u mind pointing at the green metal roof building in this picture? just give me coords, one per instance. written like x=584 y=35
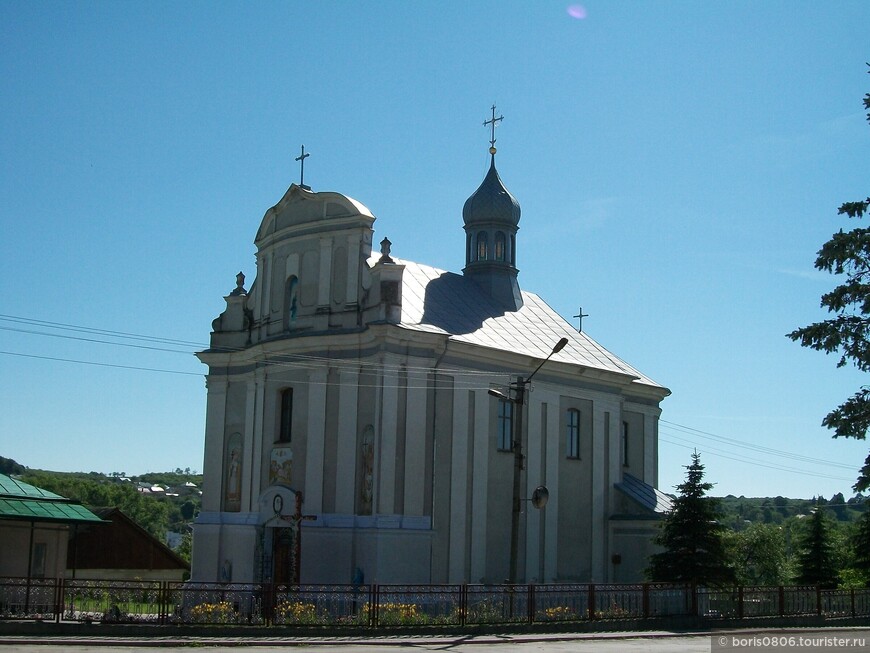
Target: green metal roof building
x=34 y=529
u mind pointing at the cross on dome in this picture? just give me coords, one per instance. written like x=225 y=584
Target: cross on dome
x=494 y=123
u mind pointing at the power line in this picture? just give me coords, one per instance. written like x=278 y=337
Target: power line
x=81 y=362
x=465 y=379
x=751 y=446
x=749 y=461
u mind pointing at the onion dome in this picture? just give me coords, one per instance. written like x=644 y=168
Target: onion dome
x=491 y=202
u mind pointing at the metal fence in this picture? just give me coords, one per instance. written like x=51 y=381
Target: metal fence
x=371 y=606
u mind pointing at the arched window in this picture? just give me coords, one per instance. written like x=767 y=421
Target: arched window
x=572 y=433
x=625 y=443
x=286 y=420
x=482 y=246
x=499 y=246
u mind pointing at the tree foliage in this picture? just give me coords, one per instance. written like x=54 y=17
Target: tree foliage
x=150 y=514
x=758 y=554
x=861 y=547
x=692 y=536
x=847 y=253
x=816 y=559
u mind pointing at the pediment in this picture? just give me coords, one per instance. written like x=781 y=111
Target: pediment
x=302 y=207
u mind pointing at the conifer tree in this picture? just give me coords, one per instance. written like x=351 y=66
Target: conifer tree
x=861 y=546
x=815 y=559
x=692 y=536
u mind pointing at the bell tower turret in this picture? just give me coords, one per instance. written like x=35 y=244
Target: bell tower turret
x=491 y=216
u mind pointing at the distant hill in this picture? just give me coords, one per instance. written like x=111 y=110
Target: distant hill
x=10 y=467
x=740 y=511
x=159 y=502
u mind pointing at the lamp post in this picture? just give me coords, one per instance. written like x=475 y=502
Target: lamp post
x=518 y=400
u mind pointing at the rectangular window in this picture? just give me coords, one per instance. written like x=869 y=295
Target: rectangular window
x=572 y=433
x=284 y=430
x=37 y=562
x=505 y=425
x=625 y=443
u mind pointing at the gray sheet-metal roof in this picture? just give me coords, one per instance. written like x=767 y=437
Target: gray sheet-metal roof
x=646 y=495
x=445 y=302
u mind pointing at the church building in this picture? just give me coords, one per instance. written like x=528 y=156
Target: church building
x=370 y=417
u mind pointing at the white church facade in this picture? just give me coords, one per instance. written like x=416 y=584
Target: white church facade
x=351 y=434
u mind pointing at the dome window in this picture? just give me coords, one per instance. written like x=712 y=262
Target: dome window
x=482 y=246
x=499 y=246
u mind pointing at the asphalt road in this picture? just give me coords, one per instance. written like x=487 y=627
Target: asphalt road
x=659 y=642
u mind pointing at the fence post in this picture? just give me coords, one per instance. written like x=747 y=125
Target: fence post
x=781 y=601
x=645 y=601
x=591 y=601
x=694 y=591
x=852 y=592
x=819 y=600
x=740 y=601
x=162 y=603
x=58 y=599
x=376 y=604
x=463 y=604
x=531 y=593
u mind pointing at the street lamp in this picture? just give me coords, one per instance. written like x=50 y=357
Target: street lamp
x=519 y=399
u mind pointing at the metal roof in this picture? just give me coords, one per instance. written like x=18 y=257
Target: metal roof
x=445 y=302
x=491 y=202
x=646 y=495
x=22 y=501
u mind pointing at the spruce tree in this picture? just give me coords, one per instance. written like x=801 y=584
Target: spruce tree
x=861 y=546
x=692 y=536
x=815 y=560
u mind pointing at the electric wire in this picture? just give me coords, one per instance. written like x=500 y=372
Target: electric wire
x=749 y=445
x=463 y=379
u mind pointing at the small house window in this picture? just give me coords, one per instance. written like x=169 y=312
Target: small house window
x=572 y=433
x=37 y=562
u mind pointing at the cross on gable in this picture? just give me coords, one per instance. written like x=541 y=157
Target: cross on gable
x=301 y=158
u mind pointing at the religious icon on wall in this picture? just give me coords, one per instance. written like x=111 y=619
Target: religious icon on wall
x=367 y=458
x=280 y=466
x=233 y=487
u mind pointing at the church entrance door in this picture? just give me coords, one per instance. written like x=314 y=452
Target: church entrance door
x=285 y=570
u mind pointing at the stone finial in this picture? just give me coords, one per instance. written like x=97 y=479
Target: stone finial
x=240 y=285
x=385 y=251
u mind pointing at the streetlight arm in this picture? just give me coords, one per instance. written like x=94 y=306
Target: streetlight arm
x=556 y=349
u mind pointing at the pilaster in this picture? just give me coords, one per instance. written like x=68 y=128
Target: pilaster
x=388 y=432
x=459 y=481
x=415 y=444
x=347 y=441
x=316 y=437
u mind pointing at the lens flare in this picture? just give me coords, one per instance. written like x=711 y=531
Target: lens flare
x=577 y=11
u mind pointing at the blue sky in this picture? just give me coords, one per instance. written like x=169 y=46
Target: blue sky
x=678 y=165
